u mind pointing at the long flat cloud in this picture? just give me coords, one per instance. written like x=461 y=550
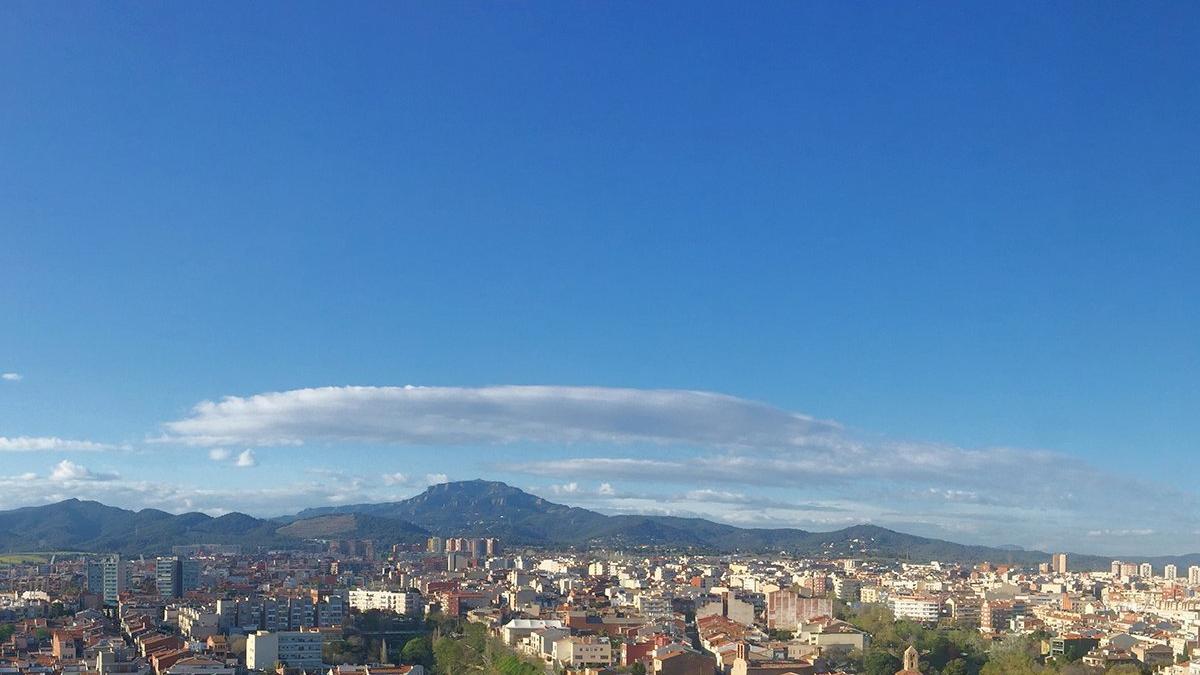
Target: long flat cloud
x=49 y=444
x=484 y=415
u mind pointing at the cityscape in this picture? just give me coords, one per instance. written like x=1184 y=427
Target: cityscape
x=348 y=596
x=599 y=337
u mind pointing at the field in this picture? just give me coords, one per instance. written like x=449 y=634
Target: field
x=32 y=558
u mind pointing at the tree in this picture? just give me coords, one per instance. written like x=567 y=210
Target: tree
x=418 y=651
x=1078 y=669
x=955 y=667
x=1009 y=663
x=449 y=656
x=881 y=663
x=638 y=668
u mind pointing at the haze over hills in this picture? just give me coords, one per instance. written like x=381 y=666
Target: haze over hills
x=475 y=508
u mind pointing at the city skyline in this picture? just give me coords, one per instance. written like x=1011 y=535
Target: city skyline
x=809 y=266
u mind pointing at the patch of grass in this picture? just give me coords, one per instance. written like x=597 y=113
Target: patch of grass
x=22 y=558
x=35 y=557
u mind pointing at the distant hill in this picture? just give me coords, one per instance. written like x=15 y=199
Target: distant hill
x=489 y=508
x=484 y=509
x=91 y=526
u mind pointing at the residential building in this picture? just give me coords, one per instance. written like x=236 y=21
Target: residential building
x=583 y=652
x=786 y=609
x=847 y=590
x=409 y=603
x=994 y=616
x=923 y=609
x=730 y=607
x=684 y=663
x=653 y=606
x=518 y=629
x=174 y=576
x=293 y=649
x=826 y=632
x=108 y=577
x=197 y=624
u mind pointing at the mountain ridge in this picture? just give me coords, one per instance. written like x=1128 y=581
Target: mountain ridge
x=479 y=508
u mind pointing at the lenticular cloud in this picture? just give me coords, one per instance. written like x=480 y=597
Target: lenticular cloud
x=503 y=414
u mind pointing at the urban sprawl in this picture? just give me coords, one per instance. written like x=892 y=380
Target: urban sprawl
x=458 y=605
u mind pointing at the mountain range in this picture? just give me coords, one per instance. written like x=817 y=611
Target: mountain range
x=476 y=508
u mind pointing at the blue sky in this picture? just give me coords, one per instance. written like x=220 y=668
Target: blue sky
x=965 y=236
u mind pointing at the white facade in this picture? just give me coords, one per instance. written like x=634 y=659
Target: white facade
x=583 y=652
x=293 y=649
x=926 y=610
x=401 y=602
x=518 y=629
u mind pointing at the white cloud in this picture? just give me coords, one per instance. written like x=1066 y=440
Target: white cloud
x=436 y=478
x=11 y=377
x=67 y=471
x=505 y=414
x=565 y=489
x=219 y=454
x=395 y=478
x=606 y=489
x=246 y=459
x=50 y=443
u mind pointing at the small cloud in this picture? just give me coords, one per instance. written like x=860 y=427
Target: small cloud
x=218 y=454
x=565 y=489
x=436 y=478
x=11 y=377
x=246 y=459
x=607 y=490
x=67 y=471
x=396 y=478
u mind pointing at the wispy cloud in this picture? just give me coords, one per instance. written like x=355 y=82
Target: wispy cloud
x=51 y=444
x=246 y=459
x=11 y=377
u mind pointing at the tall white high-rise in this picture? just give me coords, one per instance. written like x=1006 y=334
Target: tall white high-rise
x=1170 y=572
x=107 y=577
x=1194 y=574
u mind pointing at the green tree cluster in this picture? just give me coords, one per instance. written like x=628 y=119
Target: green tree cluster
x=467 y=648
